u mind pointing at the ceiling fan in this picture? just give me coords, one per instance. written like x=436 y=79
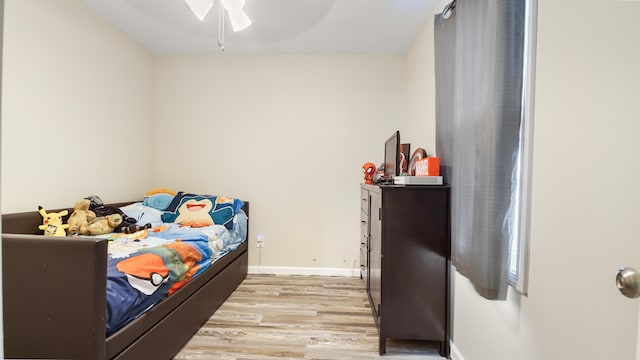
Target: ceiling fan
x=237 y=16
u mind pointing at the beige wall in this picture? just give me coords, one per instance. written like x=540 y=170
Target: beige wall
x=585 y=113
x=289 y=133
x=1 y=287
x=419 y=126
x=76 y=108
x=86 y=110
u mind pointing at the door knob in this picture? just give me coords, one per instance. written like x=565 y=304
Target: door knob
x=628 y=282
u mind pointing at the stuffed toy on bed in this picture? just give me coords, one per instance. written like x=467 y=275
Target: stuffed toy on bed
x=126 y=223
x=52 y=222
x=104 y=224
x=80 y=217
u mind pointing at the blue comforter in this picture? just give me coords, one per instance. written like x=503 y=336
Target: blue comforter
x=162 y=263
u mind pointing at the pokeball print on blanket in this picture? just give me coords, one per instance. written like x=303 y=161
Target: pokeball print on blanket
x=145 y=272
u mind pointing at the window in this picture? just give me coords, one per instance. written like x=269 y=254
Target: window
x=483 y=121
x=519 y=256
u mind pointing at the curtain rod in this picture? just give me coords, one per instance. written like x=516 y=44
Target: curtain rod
x=448 y=9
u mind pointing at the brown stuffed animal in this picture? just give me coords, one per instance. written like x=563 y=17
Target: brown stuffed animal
x=80 y=218
x=104 y=224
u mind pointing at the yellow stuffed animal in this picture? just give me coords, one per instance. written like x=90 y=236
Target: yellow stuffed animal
x=52 y=222
x=80 y=218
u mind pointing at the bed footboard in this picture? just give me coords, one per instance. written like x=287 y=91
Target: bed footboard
x=170 y=334
x=54 y=296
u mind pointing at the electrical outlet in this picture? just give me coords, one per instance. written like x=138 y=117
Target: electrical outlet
x=259 y=241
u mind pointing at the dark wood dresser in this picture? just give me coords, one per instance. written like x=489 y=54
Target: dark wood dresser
x=405 y=261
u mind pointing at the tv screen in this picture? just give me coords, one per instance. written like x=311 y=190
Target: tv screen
x=391 y=151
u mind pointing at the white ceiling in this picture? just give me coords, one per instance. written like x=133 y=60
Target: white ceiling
x=279 y=26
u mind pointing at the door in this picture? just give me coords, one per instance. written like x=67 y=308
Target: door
x=586 y=181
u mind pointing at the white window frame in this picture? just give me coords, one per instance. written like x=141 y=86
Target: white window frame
x=519 y=266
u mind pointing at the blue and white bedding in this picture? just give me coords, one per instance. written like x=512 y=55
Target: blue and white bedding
x=149 y=265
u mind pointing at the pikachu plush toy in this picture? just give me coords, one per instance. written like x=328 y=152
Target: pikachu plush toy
x=52 y=222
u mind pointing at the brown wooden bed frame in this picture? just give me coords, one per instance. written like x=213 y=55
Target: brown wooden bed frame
x=54 y=298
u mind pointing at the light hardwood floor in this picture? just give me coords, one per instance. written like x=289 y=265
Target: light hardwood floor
x=296 y=317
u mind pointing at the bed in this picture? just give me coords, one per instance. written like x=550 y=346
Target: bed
x=55 y=297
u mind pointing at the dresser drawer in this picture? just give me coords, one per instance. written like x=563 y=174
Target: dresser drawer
x=364 y=200
x=363 y=264
x=364 y=228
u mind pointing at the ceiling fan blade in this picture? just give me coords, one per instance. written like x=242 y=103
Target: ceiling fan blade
x=237 y=16
x=200 y=8
x=239 y=19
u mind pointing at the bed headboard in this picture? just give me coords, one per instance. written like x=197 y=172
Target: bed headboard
x=28 y=222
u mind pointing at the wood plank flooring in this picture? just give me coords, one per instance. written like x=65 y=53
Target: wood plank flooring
x=296 y=317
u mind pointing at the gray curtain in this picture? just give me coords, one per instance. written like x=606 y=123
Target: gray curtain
x=479 y=72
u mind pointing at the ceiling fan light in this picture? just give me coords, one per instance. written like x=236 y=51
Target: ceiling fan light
x=200 y=8
x=239 y=19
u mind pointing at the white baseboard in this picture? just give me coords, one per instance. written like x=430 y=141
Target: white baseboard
x=284 y=270
x=455 y=352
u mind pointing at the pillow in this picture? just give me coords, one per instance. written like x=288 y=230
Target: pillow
x=143 y=214
x=202 y=210
x=159 y=198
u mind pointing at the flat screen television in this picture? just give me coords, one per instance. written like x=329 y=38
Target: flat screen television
x=391 y=158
